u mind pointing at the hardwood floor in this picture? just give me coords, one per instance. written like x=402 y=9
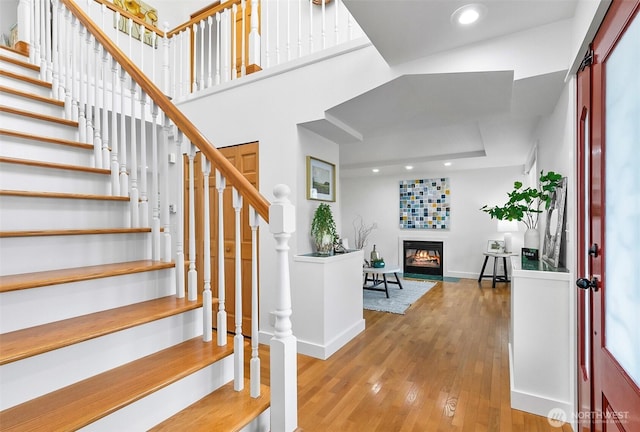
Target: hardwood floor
x=443 y=366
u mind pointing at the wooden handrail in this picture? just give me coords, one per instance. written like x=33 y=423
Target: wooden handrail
x=126 y=14
x=196 y=19
x=226 y=168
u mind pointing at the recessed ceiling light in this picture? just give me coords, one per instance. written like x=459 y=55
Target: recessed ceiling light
x=409 y=167
x=468 y=14
x=447 y=164
x=375 y=170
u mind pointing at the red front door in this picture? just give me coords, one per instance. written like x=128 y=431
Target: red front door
x=609 y=239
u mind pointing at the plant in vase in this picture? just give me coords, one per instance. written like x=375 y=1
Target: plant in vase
x=526 y=204
x=323 y=229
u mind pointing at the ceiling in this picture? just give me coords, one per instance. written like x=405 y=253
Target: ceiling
x=475 y=119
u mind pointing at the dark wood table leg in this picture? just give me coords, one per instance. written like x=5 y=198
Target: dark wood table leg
x=398 y=280
x=506 y=274
x=495 y=267
x=386 y=288
x=483 y=267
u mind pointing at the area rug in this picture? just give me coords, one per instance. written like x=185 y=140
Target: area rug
x=399 y=299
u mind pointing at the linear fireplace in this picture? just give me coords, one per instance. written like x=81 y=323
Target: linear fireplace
x=423 y=257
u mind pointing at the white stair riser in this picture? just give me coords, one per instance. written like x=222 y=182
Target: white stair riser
x=262 y=423
x=25 y=124
x=25 y=86
x=14 y=55
x=33 y=178
x=32 y=377
x=21 y=148
x=32 y=254
x=25 y=213
x=145 y=413
x=28 y=104
x=58 y=302
x=21 y=70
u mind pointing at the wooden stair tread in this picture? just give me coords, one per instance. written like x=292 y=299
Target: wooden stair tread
x=54 y=165
x=15 y=51
x=80 y=404
x=24 y=78
x=32 y=96
x=49 y=140
x=20 y=63
x=63 y=195
x=99 y=231
x=37 y=116
x=223 y=410
x=21 y=344
x=54 y=277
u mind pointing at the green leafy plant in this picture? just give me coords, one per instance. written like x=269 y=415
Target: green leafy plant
x=323 y=228
x=525 y=204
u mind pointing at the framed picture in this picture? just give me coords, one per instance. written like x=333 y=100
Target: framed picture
x=495 y=246
x=141 y=10
x=321 y=180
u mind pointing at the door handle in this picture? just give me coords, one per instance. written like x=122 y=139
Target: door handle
x=585 y=283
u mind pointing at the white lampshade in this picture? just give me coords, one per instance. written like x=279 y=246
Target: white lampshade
x=507 y=227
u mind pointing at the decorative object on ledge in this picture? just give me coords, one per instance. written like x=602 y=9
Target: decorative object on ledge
x=525 y=205
x=425 y=204
x=321 y=180
x=553 y=246
x=362 y=232
x=323 y=229
x=319 y=2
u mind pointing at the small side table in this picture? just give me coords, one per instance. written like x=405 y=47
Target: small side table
x=375 y=281
x=495 y=277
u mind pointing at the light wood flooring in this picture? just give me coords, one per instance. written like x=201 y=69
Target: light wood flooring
x=443 y=366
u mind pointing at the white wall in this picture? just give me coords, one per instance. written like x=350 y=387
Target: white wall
x=8 y=15
x=376 y=199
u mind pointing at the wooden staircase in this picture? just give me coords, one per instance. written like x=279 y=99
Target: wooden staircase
x=92 y=332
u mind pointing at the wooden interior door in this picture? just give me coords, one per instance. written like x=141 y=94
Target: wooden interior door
x=614 y=221
x=245 y=158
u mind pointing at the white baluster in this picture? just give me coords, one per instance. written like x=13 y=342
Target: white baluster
x=218 y=47
x=225 y=45
x=222 y=313
x=194 y=67
x=254 y=35
x=350 y=26
x=201 y=82
x=192 y=275
x=234 y=45
x=277 y=33
x=40 y=37
x=124 y=176
x=243 y=66
x=155 y=188
x=30 y=7
x=166 y=62
x=181 y=65
x=163 y=196
x=283 y=350
x=324 y=21
x=47 y=40
x=288 y=30
x=74 y=35
x=144 y=200
x=311 y=26
x=165 y=80
x=97 y=124
x=67 y=50
x=336 y=25
x=238 y=339
x=82 y=120
x=266 y=31
x=254 y=364
x=174 y=43
x=142 y=29
x=55 y=66
x=207 y=303
x=106 y=162
x=210 y=52
x=88 y=107
x=133 y=175
x=300 y=3
x=115 y=164
x=180 y=218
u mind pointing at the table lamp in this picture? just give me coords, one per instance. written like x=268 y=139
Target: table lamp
x=507 y=227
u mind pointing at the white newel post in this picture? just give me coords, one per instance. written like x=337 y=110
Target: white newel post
x=238 y=339
x=254 y=364
x=24 y=24
x=222 y=313
x=163 y=195
x=180 y=218
x=207 y=303
x=283 y=361
x=254 y=36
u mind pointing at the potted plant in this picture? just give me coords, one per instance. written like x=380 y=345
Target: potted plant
x=526 y=204
x=323 y=229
